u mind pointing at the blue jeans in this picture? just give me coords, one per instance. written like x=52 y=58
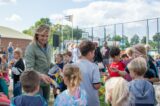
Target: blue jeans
x=17 y=89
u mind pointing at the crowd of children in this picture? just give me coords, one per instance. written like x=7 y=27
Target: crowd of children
x=75 y=82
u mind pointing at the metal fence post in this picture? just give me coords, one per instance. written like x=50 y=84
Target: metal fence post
x=92 y=34
x=104 y=34
x=147 y=28
x=158 y=35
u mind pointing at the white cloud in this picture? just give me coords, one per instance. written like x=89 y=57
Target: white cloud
x=14 y=18
x=7 y=1
x=107 y=12
x=56 y=17
x=80 y=0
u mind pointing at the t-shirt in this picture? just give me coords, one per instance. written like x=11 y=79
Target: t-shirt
x=119 y=65
x=65 y=99
x=105 y=52
x=90 y=75
x=25 y=100
x=10 y=50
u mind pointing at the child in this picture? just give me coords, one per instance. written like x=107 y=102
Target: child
x=17 y=68
x=57 y=76
x=59 y=61
x=117 y=92
x=4 y=100
x=90 y=72
x=4 y=76
x=5 y=70
x=30 y=81
x=117 y=65
x=67 y=57
x=129 y=52
x=141 y=89
x=125 y=59
x=157 y=92
x=74 y=95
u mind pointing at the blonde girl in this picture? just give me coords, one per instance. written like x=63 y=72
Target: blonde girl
x=74 y=95
x=117 y=92
x=17 y=68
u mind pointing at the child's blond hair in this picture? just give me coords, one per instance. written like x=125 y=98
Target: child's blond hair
x=18 y=51
x=117 y=91
x=129 y=52
x=139 y=50
x=157 y=92
x=138 y=66
x=73 y=75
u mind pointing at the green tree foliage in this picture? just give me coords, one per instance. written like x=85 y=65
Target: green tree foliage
x=30 y=31
x=43 y=21
x=153 y=44
x=125 y=38
x=77 y=33
x=143 y=40
x=156 y=37
x=117 y=38
x=135 y=39
x=56 y=29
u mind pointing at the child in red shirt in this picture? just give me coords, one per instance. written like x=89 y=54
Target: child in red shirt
x=117 y=65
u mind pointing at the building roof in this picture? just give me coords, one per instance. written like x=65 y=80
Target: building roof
x=11 y=33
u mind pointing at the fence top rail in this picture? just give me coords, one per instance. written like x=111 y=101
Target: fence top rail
x=121 y=23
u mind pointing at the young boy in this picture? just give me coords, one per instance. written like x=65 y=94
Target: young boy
x=30 y=81
x=141 y=89
x=117 y=66
x=90 y=72
x=67 y=57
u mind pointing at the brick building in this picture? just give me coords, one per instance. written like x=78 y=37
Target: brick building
x=10 y=35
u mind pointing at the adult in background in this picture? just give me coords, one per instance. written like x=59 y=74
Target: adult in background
x=105 y=54
x=10 y=50
x=75 y=53
x=38 y=57
x=98 y=56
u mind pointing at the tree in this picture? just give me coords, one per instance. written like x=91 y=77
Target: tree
x=43 y=21
x=30 y=30
x=135 y=39
x=77 y=33
x=116 y=38
x=125 y=38
x=153 y=44
x=143 y=40
x=55 y=29
x=156 y=37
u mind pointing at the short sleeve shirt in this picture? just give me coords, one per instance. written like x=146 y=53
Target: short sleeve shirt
x=119 y=65
x=90 y=75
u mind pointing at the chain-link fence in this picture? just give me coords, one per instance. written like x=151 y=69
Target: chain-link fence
x=126 y=34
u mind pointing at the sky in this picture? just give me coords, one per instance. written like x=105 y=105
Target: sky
x=21 y=14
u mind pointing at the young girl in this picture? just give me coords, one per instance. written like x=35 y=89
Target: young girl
x=157 y=92
x=117 y=92
x=74 y=95
x=4 y=69
x=17 y=68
